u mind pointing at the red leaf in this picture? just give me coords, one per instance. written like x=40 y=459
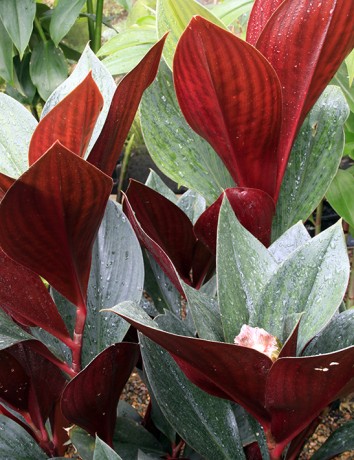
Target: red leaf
x=261 y=12
x=253 y=208
x=24 y=297
x=126 y=99
x=5 y=184
x=14 y=382
x=305 y=42
x=71 y=121
x=50 y=217
x=90 y=399
x=231 y=96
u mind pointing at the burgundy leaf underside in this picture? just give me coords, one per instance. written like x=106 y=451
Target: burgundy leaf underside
x=90 y=399
x=24 y=296
x=305 y=42
x=5 y=184
x=50 y=217
x=71 y=121
x=126 y=99
x=254 y=209
x=231 y=96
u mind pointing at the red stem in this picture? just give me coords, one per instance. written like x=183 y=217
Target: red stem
x=81 y=313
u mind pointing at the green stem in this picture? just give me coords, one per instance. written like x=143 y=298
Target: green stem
x=350 y=292
x=90 y=23
x=98 y=28
x=319 y=212
x=125 y=161
x=40 y=29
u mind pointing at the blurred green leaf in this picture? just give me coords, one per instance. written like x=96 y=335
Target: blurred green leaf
x=350 y=66
x=6 y=63
x=340 y=195
x=63 y=18
x=229 y=10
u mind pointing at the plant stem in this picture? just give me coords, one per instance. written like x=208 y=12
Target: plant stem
x=90 y=23
x=98 y=28
x=40 y=29
x=125 y=162
x=319 y=212
x=81 y=313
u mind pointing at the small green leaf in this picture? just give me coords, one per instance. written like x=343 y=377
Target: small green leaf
x=341 y=440
x=17 y=17
x=173 y=17
x=313 y=162
x=176 y=149
x=16 y=128
x=230 y=10
x=48 y=68
x=341 y=195
x=6 y=63
x=243 y=267
x=16 y=443
x=63 y=18
x=104 y=452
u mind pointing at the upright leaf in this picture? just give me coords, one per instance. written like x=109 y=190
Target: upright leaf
x=341 y=195
x=63 y=18
x=6 y=62
x=261 y=12
x=230 y=10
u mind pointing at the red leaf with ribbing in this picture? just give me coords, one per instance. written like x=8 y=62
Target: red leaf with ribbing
x=253 y=208
x=221 y=369
x=125 y=102
x=231 y=96
x=71 y=121
x=90 y=399
x=305 y=42
x=298 y=389
x=163 y=229
x=5 y=184
x=50 y=217
x=24 y=297
x=260 y=14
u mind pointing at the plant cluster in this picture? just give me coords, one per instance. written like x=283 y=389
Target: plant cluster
x=243 y=337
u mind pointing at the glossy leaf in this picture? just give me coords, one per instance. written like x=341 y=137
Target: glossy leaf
x=71 y=121
x=126 y=99
x=117 y=274
x=6 y=62
x=48 y=68
x=340 y=195
x=230 y=10
x=83 y=442
x=17 y=17
x=15 y=442
x=16 y=128
x=24 y=296
x=321 y=35
x=292 y=239
x=261 y=12
x=243 y=267
x=339 y=441
x=88 y=62
x=104 y=452
x=156 y=183
x=313 y=162
x=222 y=109
x=206 y=423
x=90 y=399
x=176 y=149
x=65 y=200
x=63 y=18
x=173 y=17
x=192 y=204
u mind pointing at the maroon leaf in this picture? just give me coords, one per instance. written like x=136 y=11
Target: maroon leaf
x=126 y=99
x=71 y=121
x=253 y=208
x=165 y=231
x=90 y=399
x=5 y=184
x=50 y=217
x=231 y=96
x=24 y=297
x=261 y=12
x=305 y=42
x=14 y=382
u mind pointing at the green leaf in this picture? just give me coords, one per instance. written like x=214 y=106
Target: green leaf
x=6 y=63
x=117 y=275
x=192 y=204
x=243 y=267
x=206 y=423
x=156 y=183
x=10 y=333
x=126 y=59
x=341 y=79
x=341 y=440
x=103 y=79
x=48 y=68
x=17 y=17
x=176 y=149
x=16 y=128
x=104 y=452
x=349 y=61
x=314 y=161
x=16 y=443
x=83 y=442
x=173 y=17
x=63 y=18
x=312 y=280
x=230 y=10
x=341 y=195
x=292 y=239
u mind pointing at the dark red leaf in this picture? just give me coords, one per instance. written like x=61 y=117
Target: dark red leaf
x=126 y=99
x=305 y=42
x=231 y=96
x=261 y=12
x=253 y=208
x=24 y=297
x=71 y=121
x=50 y=217
x=14 y=382
x=5 y=184
x=90 y=399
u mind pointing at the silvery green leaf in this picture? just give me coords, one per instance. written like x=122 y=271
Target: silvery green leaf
x=192 y=204
x=10 y=332
x=104 y=452
x=156 y=183
x=295 y=237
